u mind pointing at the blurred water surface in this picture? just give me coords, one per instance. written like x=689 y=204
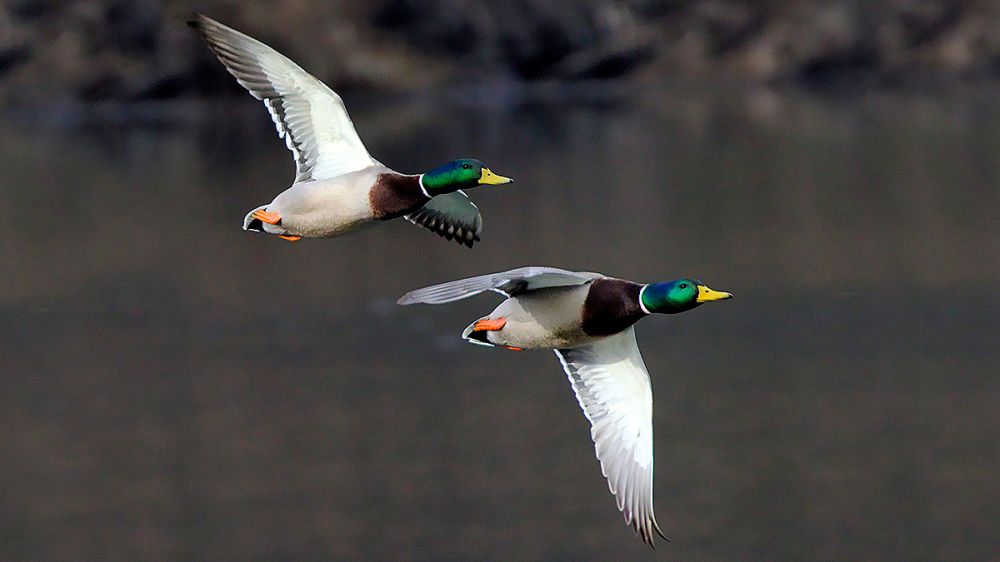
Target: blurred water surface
x=175 y=388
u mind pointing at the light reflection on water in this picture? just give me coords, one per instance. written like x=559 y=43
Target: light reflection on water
x=174 y=387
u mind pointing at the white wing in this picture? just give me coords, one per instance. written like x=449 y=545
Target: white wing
x=308 y=115
x=507 y=283
x=612 y=385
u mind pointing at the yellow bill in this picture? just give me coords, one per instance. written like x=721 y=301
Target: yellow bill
x=708 y=295
x=489 y=178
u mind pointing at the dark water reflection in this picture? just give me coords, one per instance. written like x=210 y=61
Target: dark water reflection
x=175 y=388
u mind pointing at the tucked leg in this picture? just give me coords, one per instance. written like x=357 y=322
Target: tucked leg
x=489 y=325
x=264 y=216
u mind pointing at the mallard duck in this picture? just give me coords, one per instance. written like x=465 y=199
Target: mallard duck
x=338 y=186
x=587 y=318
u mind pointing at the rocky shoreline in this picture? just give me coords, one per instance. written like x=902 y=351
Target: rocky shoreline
x=117 y=50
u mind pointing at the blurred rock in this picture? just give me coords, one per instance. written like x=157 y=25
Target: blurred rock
x=91 y=50
x=561 y=39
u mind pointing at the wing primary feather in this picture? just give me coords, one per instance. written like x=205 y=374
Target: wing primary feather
x=527 y=278
x=611 y=385
x=309 y=116
x=452 y=216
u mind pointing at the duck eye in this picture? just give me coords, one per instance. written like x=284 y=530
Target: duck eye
x=683 y=285
x=467 y=166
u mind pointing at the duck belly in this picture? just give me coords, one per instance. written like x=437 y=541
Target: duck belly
x=321 y=209
x=548 y=318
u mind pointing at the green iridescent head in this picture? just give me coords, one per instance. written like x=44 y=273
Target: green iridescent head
x=459 y=174
x=677 y=296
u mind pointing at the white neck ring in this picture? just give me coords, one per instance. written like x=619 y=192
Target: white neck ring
x=420 y=182
x=642 y=306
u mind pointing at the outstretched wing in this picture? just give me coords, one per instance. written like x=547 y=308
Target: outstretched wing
x=452 y=215
x=308 y=115
x=507 y=283
x=612 y=385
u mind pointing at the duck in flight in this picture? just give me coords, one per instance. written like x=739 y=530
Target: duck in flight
x=338 y=186
x=587 y=318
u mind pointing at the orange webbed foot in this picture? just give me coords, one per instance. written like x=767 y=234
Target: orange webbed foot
x=290 y=237
x=264 y=216
x=512 y=348
x=489 y=325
